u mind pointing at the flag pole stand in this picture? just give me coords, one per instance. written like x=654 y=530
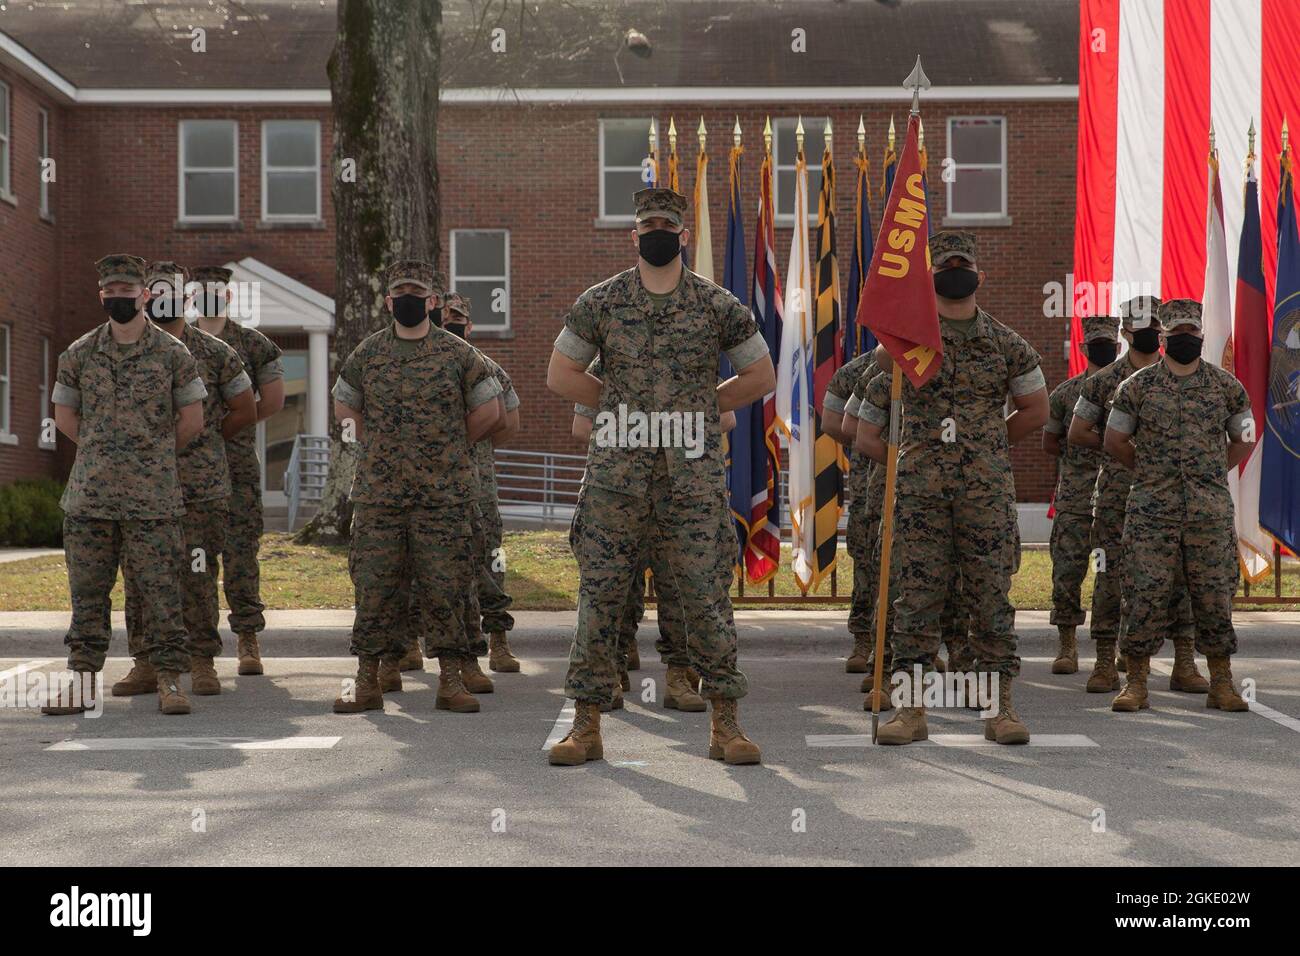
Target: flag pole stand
x=886 y=542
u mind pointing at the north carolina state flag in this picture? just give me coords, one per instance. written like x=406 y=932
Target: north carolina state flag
x=897 y=303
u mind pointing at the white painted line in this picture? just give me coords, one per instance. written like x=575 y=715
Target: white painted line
x=22 y=669
x=1284 y=720
x=563 y=724
x=964 y=741
x=197 y=743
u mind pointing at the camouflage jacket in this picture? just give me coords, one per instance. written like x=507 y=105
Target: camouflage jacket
x=1110 y=492
x=1076 y=466
x=659 y=361
x=1181 y=426
x=954 y=432
x=839 y=392
x=261 y=358
x=484 y=457
x=413 y=400
x=872 y=391
x=202 y=463
x=128 y=399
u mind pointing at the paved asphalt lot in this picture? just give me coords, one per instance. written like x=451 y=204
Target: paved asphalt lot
x=1175 y=785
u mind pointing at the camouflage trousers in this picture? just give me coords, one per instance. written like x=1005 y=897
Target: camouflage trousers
x=939 y=542
x=239 y=559
x=407 y=628
x=1169 y=566
x=610 y=530
x=203 y=530
x=148 y=552
x=1070 y=548
x=862 y=539
x=671 y=644
x=432 y=552
x=1110 y=606
x=494 y=602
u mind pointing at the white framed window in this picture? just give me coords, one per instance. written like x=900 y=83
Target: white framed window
x=978 y=148
x=785 y=156
x=47 y=410
x=480 y=270
x=290 y=170
x=209 y=170
x=624 y=146
x=6 y=140
x=43 y=142
x=6 y=346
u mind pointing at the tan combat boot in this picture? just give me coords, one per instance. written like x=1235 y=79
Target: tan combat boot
x=412 y=660
x=885 y=702
x=499 y=657
x=860 y=658
x=1067 y=657
x=1134 y=695
x=171 y=699
x=69 y=700
x=680 y=694
x=471 y=674
x=366 y=694
x=727 y=742
x=203 y=676
x=1006 y=727
x=141 y=679
x=907 y=726
x=452 y=694
x=633 y=657
x=616 y=703
x=1222 y=695
x=390 y=676
x=1104 y=679
x=583 y=742
x=250 y=655
x=1185 y=677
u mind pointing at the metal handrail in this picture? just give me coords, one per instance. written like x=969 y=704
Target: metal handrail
x=304 y=478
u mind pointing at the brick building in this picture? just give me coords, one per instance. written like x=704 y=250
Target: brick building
x=224 y=156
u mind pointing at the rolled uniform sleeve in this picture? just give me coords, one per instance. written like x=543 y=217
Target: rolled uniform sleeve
x=834 y=402
x=741 y=339
x=67 y=382
x=233 y=379
x=1024 y=368
x=584 y=411
x=1123 y=413
x=580 y=338
x=1028 y=382
x=508 y=394
x=1086 y=409
x=187 y=386
x=479 y=385
x=1238 y=411
x=265 y=359
x=236 y=386
x=851 y=406
x=347 y=387
x=1056 y=413
x=876 y=401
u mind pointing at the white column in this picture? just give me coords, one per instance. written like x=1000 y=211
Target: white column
x=318 y=383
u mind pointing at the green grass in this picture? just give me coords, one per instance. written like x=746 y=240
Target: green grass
x=541 y=576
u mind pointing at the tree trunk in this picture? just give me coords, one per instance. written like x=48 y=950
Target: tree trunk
x=384 y=87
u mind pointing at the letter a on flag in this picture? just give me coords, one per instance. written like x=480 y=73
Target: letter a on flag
x=897 y=303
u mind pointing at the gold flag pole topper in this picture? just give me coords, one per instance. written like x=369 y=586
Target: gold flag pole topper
x=916 y=82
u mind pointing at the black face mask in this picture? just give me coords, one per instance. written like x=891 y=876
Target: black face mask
x=1146 y=340
x=957 y=283
x=457 y=329
x=121 y=308
x=658 y=246
x=1102 y=351
x=165 y=309
x=1183 y=347
x=409 y=310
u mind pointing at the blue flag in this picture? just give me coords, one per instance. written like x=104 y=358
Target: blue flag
x=858 y=338
x=1279 y=487
x=740 y=444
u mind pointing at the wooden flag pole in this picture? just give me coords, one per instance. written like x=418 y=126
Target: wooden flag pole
x=886 y=541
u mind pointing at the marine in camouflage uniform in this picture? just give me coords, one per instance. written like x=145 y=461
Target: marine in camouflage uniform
x=122 y=504
x=205 y=487
x=657 y=358
x=414 y=488
x=1076 y=476
x=1189 y=422
x=240 y=573
x=1140 y=326
x=955 y=509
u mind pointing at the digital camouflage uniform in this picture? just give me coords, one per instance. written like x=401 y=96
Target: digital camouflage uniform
x=661 y=359
x=414 y=489
x=205 y=487
x=1179 y=512
x=240 y=574
x=955 y=508
x=122 y=504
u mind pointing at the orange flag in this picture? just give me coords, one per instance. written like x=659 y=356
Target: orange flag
x=897 y=302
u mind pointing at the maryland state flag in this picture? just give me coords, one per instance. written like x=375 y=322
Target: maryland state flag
x=828 y=456
x=897 y=302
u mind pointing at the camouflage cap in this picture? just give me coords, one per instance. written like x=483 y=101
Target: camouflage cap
x=458 y=303
x=1100 y=327
x=206 y=274
x=1178 y=312
x=120 y=267
x=659 y=201
x=165 y=270
x=952 y=242
x=1139 y=312
x=417 y=271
